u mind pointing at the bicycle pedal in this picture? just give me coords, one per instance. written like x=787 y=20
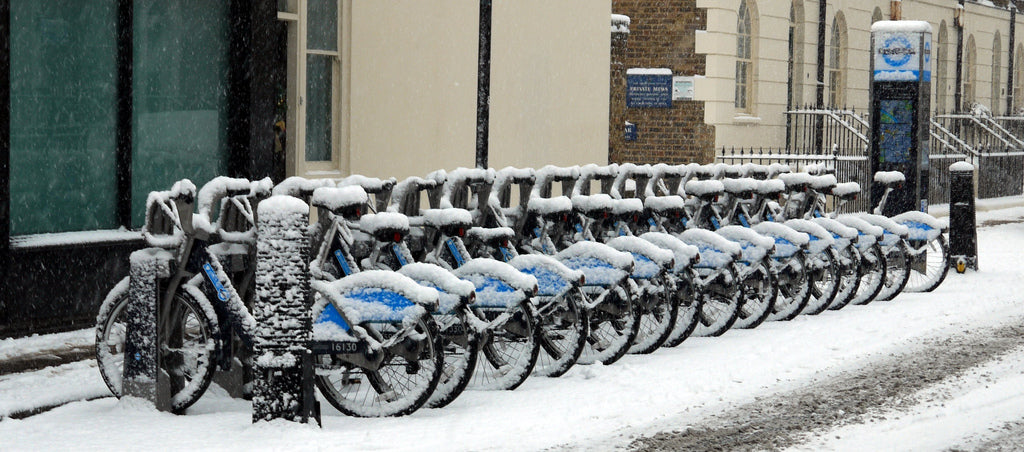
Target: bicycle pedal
x=389 y=396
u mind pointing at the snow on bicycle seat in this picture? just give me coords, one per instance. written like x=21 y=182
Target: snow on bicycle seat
x=372 y=185
x=550 y=207
x=704 y=189
x=300 y=187
x=733 y=172
x=755 y=171
x=665 y=204
x=593 y=206
x=491 y=235
x=796 y=181
x=448 y=218
x=771 y=187
x=890 y=178
x=385 y=226
x=823 y=183
x=627 y=207
x=846 y=190
x=345 y=201
x=776 y=169
x=739 y=186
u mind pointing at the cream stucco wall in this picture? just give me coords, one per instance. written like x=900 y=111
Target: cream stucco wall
x=765 y=125
x=413 y=88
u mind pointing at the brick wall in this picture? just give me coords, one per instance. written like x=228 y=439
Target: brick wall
x=662 y=36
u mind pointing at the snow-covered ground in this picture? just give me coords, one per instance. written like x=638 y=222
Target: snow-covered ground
x=603 y=407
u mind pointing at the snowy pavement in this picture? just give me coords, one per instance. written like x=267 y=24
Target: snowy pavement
x=606 y=407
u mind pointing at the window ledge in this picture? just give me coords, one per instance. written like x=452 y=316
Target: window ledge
x=746 y=119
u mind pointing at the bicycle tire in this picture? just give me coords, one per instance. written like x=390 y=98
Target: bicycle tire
x=687 y=315
x=897 y=263
x=614 y=325
x=657 y=318
x=849 y=277
x=759 y=291
x=461 y=346
x=189 y=364
x=935 y=262
x=360 y=392
x=794 y=287
x=510 y=350
x=824 y=282
x=563 y=334
x=720 y=308
x=873 y=270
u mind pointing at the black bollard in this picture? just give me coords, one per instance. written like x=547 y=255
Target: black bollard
x=283 y=325
x=142 y=376
x=963 y=233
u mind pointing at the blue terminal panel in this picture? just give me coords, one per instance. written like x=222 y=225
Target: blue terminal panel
x=895 y=124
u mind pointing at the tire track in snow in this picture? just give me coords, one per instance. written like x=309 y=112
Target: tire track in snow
x=782 y=420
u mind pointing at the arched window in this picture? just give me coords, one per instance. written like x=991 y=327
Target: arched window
x=796 y=54
x=1018 y=79
x=970 y=73
x=837 y=62
x=997 y=68
x=746 y=30
x=876 y=15
x=941 y=64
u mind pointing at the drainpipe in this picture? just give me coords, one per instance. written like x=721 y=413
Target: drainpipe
x=819 y=125
x=483 y=85
x=1010 y=60
x=958 y=23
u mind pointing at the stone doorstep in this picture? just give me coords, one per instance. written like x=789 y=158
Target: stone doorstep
x=46 y=358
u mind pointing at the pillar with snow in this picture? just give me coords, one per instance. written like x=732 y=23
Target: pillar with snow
x=900 y=110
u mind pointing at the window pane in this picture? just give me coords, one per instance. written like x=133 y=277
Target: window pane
x=318 y=107
x=63 y=113
x=323 y=25
x=180 y=95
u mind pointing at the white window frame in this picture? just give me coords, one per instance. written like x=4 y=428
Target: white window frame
x=298 y=53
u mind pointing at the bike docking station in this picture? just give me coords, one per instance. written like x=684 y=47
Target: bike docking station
x=143 y=378
x=963 y=232
x=283 y=386
x=900 y=111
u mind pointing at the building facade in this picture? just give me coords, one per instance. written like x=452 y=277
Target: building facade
x=103 y=101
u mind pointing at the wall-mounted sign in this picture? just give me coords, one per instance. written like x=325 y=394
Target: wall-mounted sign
x=630 y=131
x=648 y=88
x=682 y=87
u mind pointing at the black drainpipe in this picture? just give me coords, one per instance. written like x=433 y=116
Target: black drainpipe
x=1010 y=60
x=819 y=124
x=959 y=90
x=5 y=136
x=483 y=85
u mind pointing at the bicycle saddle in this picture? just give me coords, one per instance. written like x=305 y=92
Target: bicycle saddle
x=706 y=190
x=346 y=202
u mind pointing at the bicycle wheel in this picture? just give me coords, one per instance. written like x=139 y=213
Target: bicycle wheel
x=897 y=271
x=688 y=313
x=794 y=287
x=848 y=263
x=872 y=279
x=564 y=325
x=824 y=275
x=186 y=344
x=614 y=324
x=658 y=310
x=929 y=266
x=510 y=349
x=403 y=381
x=461 y=346
x=721 y=305
x=759 y=292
